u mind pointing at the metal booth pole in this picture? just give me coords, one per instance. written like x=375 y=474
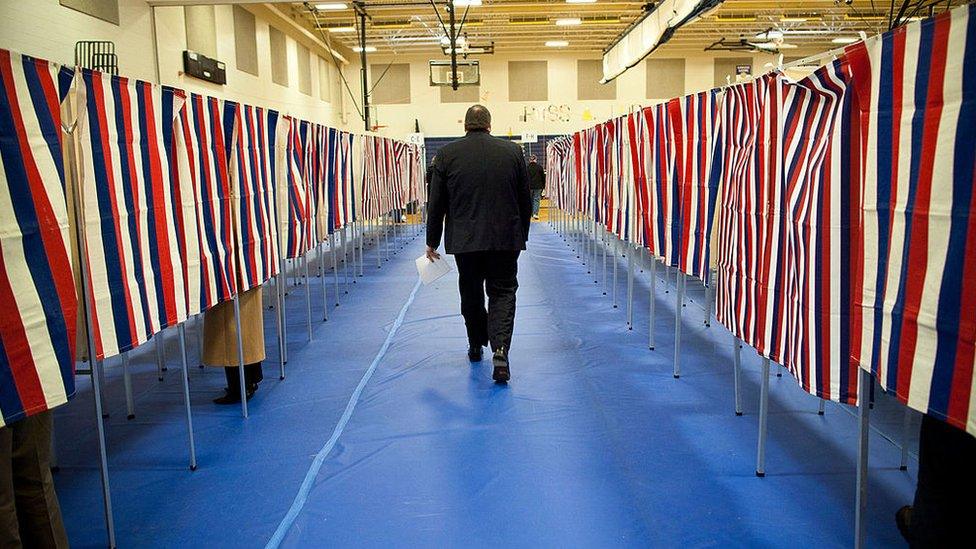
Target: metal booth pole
x=283 y=320
x=345 y=264
x=616 y=254
x=680 y=296
x=325 y=286
x=200 y=338
x=709 y=297
x=279 y=323
x=308 y=297
x=763 y=416
x=605 y=243
x=594 y=242
x=335 y=265
x=736 y=373
x=865 y=382
x=95 y=365
x=630 y=285
x=651 y=301
x=379 y=254
x=386 y=234
x=160 y=353
x=822 y=409
x=240 y=354
x=181 y=330
x=130 y=410
x=362 y=238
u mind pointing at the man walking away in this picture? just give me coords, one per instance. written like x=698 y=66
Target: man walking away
x=537 y=182
x=480 y=186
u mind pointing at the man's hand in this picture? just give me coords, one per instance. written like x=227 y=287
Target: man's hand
x=432 y=254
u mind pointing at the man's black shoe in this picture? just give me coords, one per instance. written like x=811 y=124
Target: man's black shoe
x=500 y=372
x=474 y=353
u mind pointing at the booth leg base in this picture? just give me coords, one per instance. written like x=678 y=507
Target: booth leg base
x=738 y=414
x=760 y=474
x=130 y=416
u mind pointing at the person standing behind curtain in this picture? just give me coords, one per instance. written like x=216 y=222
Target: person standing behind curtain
x=537 y=182
x=481 y=188
x=220 y=344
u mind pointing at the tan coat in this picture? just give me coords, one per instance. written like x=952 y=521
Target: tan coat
x=220 y=331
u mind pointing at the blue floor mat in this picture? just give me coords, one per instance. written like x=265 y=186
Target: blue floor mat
x=593 y=444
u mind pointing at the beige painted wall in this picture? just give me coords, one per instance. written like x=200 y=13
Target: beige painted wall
x=445 y=119
x=44 y=28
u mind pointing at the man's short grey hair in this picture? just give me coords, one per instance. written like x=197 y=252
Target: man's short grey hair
x=477 y=119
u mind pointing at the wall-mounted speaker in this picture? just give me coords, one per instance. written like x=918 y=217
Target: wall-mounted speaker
x=200 y=66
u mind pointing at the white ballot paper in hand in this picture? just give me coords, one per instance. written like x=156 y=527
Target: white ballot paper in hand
x=432 y=270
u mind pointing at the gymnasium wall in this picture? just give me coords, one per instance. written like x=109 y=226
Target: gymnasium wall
x=46 y=29
x=561 y=112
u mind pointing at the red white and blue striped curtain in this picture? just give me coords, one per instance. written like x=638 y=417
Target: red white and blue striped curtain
x=914 y=291
x=371 y=151
x=202 y=169
x=252 y=178
x=692 y=120
x=815 y=148
x=558 y=171
x=39 y=324
x=298 y=204
x=659 y=197
x=749 y=295
x=132 y=211
x=319 y=156
x=342 y=178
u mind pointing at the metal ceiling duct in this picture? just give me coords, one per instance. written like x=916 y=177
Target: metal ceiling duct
x=646 y=34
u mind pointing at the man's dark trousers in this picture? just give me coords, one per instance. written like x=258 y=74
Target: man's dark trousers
x=494 y=272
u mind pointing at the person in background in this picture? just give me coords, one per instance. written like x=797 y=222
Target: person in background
x=943 y=503
x=29 y=512
x=481 y=187
x=537 y=182
x=220 y=344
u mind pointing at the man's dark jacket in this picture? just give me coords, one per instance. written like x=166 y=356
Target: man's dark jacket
x=537 y=177
x=481 y=186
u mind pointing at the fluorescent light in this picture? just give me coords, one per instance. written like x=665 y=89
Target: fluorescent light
x=845 y=40
x=341 y=29
x=793 y=19
x=557 y=44
x=447 y=41
x=467 y=3
x=580 y=1
x=568 y=21
x=369 y=49
x=334 y=6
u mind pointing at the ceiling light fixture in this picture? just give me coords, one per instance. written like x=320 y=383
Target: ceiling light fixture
x=529 y=21
x=369 y=49
x=332 y=6
x=580 y=1
x=467 y=3
x=568 y=21
x=845 y=40
x=794 y=19
x=557 y=44
x=341 y=29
